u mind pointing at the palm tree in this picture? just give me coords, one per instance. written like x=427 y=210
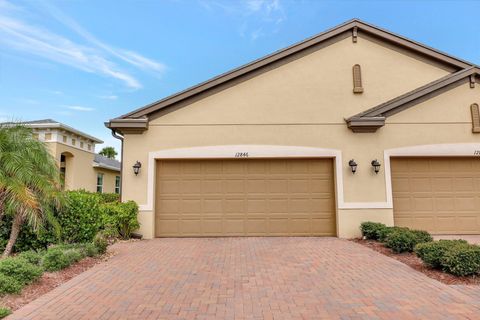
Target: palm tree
x=29 y=181
x=108 y=152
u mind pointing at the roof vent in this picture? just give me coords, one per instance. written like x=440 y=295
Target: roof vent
x=475 y=118
x=357 y=79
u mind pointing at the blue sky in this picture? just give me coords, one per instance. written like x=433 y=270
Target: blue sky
x=84 y=62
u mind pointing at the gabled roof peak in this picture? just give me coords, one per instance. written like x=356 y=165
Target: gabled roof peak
x=353 y=26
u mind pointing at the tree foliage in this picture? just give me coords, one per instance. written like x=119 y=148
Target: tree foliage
x=108 y=152
x=29 y=181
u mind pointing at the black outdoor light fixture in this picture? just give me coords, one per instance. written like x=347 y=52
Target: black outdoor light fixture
x=353 y=165
x=376 y=165
x=136 y=167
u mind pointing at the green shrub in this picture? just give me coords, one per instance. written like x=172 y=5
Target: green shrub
x=9 y=285
x=74 y=255
x=462 y=260
x=120 y=218
x=401 y=241
x=90 y=250
x=31 y=256
x=55 y=259
x=370 y=230
x=27 y=238
x=80 y=218
x=4 y=312
x=109 y=197
x=20 y=270
x=384 y=232
x=422 y=236
x=432 y=253
x=101 y=242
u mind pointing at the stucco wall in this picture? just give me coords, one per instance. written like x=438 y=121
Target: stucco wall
x=79 y=167
x=304 y=103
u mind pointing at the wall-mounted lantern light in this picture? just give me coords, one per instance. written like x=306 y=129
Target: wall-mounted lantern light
x=136 y=167
x=376 y=165
x=353 y=165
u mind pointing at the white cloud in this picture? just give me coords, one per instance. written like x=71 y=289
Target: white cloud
x=93 y=57
x=79 y=108
x=109 y=97
x=258 y=18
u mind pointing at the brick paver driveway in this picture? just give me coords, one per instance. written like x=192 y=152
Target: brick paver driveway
x=251 y=278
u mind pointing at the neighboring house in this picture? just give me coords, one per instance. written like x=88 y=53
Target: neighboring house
x=266 y=149
x=74 y=151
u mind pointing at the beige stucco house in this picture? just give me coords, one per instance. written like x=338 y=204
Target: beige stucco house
x=74 y=151
x=353 y=124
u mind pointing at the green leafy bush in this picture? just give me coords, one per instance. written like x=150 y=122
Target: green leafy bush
x=384 y=232
x=20 y=270
x=54 y=260
x=9 y=285
x=370 y=230
x=4 y=312
x=28 y=239
x=401 y=241
x=432 y=253
x=109 y=197
x=31 y=256
x=422 y=236
x=74 y=255
x=101 y=242
x=462 y=260
x=120 y=218
x=80 y=218
x=90 y=250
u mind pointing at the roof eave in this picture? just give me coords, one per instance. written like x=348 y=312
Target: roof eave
x=365 y=124
x=128 y=125
x=103 y=166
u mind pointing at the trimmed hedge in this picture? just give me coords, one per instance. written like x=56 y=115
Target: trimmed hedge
x=453 y=256
x=401 y=241
x=404 y=240
x=385 y=232
x=432 y=253
x=462 y=260
x=370 y=230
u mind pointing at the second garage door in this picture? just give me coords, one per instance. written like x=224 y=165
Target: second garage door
x=441 y=195
x=245 y=197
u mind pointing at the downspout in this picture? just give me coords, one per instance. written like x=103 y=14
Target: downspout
x=119 y=137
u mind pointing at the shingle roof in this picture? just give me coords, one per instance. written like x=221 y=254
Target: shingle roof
x=106 y=163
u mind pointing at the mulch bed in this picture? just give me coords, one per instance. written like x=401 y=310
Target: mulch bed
x=49 y=281
x=411 y=260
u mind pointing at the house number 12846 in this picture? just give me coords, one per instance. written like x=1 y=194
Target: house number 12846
x=241 y=155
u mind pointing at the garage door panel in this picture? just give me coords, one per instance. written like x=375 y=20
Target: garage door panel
x=441 y=195
x=254 y=197
x=465 y=203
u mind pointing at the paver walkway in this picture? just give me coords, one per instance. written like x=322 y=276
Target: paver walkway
x=251 y=278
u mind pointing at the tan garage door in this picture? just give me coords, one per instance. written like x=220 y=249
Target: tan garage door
x=245 y=197
x=441 y=195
